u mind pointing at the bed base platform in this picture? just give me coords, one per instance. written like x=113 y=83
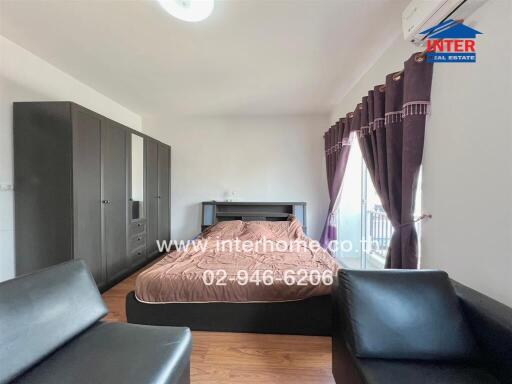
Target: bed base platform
x=310 y=316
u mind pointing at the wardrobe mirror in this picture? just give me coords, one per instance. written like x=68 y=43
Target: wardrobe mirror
x=137 y=176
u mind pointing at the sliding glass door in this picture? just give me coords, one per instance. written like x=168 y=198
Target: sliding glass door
x=364 y=231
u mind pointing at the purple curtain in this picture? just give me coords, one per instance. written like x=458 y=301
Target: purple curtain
x=390 y=125
x=337 y=147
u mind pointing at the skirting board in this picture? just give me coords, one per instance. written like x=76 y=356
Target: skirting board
x=310 y=316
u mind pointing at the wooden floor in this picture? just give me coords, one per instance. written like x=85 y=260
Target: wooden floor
x=243 y=357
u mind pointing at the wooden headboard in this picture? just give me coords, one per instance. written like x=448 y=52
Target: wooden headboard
x=215 y=211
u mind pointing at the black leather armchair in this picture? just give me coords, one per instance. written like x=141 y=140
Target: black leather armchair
x=50 y=332
x=394 y=327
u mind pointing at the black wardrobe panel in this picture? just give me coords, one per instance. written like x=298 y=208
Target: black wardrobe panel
x=87 y=191
x=114 y=198
x=71 y=190
x=164 y=155
x=42 y=184
x=152 y=195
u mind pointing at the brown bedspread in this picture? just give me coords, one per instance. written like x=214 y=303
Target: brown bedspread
x=278 y=263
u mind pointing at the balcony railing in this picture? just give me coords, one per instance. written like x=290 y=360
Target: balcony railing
x=380 y=231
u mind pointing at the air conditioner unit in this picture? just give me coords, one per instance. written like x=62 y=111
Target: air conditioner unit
x=423 y=14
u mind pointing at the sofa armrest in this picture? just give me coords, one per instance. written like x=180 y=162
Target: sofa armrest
x=491 y=324
x=344 y=365
x=42 y=311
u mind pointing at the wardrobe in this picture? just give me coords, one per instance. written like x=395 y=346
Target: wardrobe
x=87 y=187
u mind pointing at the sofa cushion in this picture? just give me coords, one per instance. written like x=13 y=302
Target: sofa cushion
x=403 y=314
x=41 y=311
x=118 y=353
x=422 y=372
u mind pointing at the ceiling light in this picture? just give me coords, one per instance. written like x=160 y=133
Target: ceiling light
x=188 y=10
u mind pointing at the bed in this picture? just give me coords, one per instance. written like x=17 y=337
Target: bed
x=260 y=276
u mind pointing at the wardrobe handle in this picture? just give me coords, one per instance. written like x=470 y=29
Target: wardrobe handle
x=105 y=201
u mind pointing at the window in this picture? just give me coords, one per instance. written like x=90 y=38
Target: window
x=364 y=231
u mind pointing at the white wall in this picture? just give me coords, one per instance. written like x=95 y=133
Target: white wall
x=26 y=77
x=467 y=176
x=467 y=166
x=260 y=158
x=391 y=61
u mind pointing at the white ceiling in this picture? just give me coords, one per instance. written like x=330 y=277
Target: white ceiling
x=251 y=57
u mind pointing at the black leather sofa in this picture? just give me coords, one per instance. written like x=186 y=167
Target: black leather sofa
x=417 y=327
x=50 y=332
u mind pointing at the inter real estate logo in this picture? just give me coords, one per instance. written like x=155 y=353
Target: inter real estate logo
x=451 y=42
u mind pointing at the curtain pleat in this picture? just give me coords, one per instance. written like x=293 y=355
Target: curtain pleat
x=337 y=149
x=390 y=126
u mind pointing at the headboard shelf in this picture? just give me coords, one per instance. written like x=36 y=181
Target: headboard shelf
x=267 y=214
x=215 y=211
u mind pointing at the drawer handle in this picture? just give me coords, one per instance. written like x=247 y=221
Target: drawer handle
x=139 y=239
x=139 y=225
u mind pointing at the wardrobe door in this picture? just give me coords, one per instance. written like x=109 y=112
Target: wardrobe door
x=43 y=220
x=87 y=191
x=164 y=214
x=152 y=195
x=115 y=198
